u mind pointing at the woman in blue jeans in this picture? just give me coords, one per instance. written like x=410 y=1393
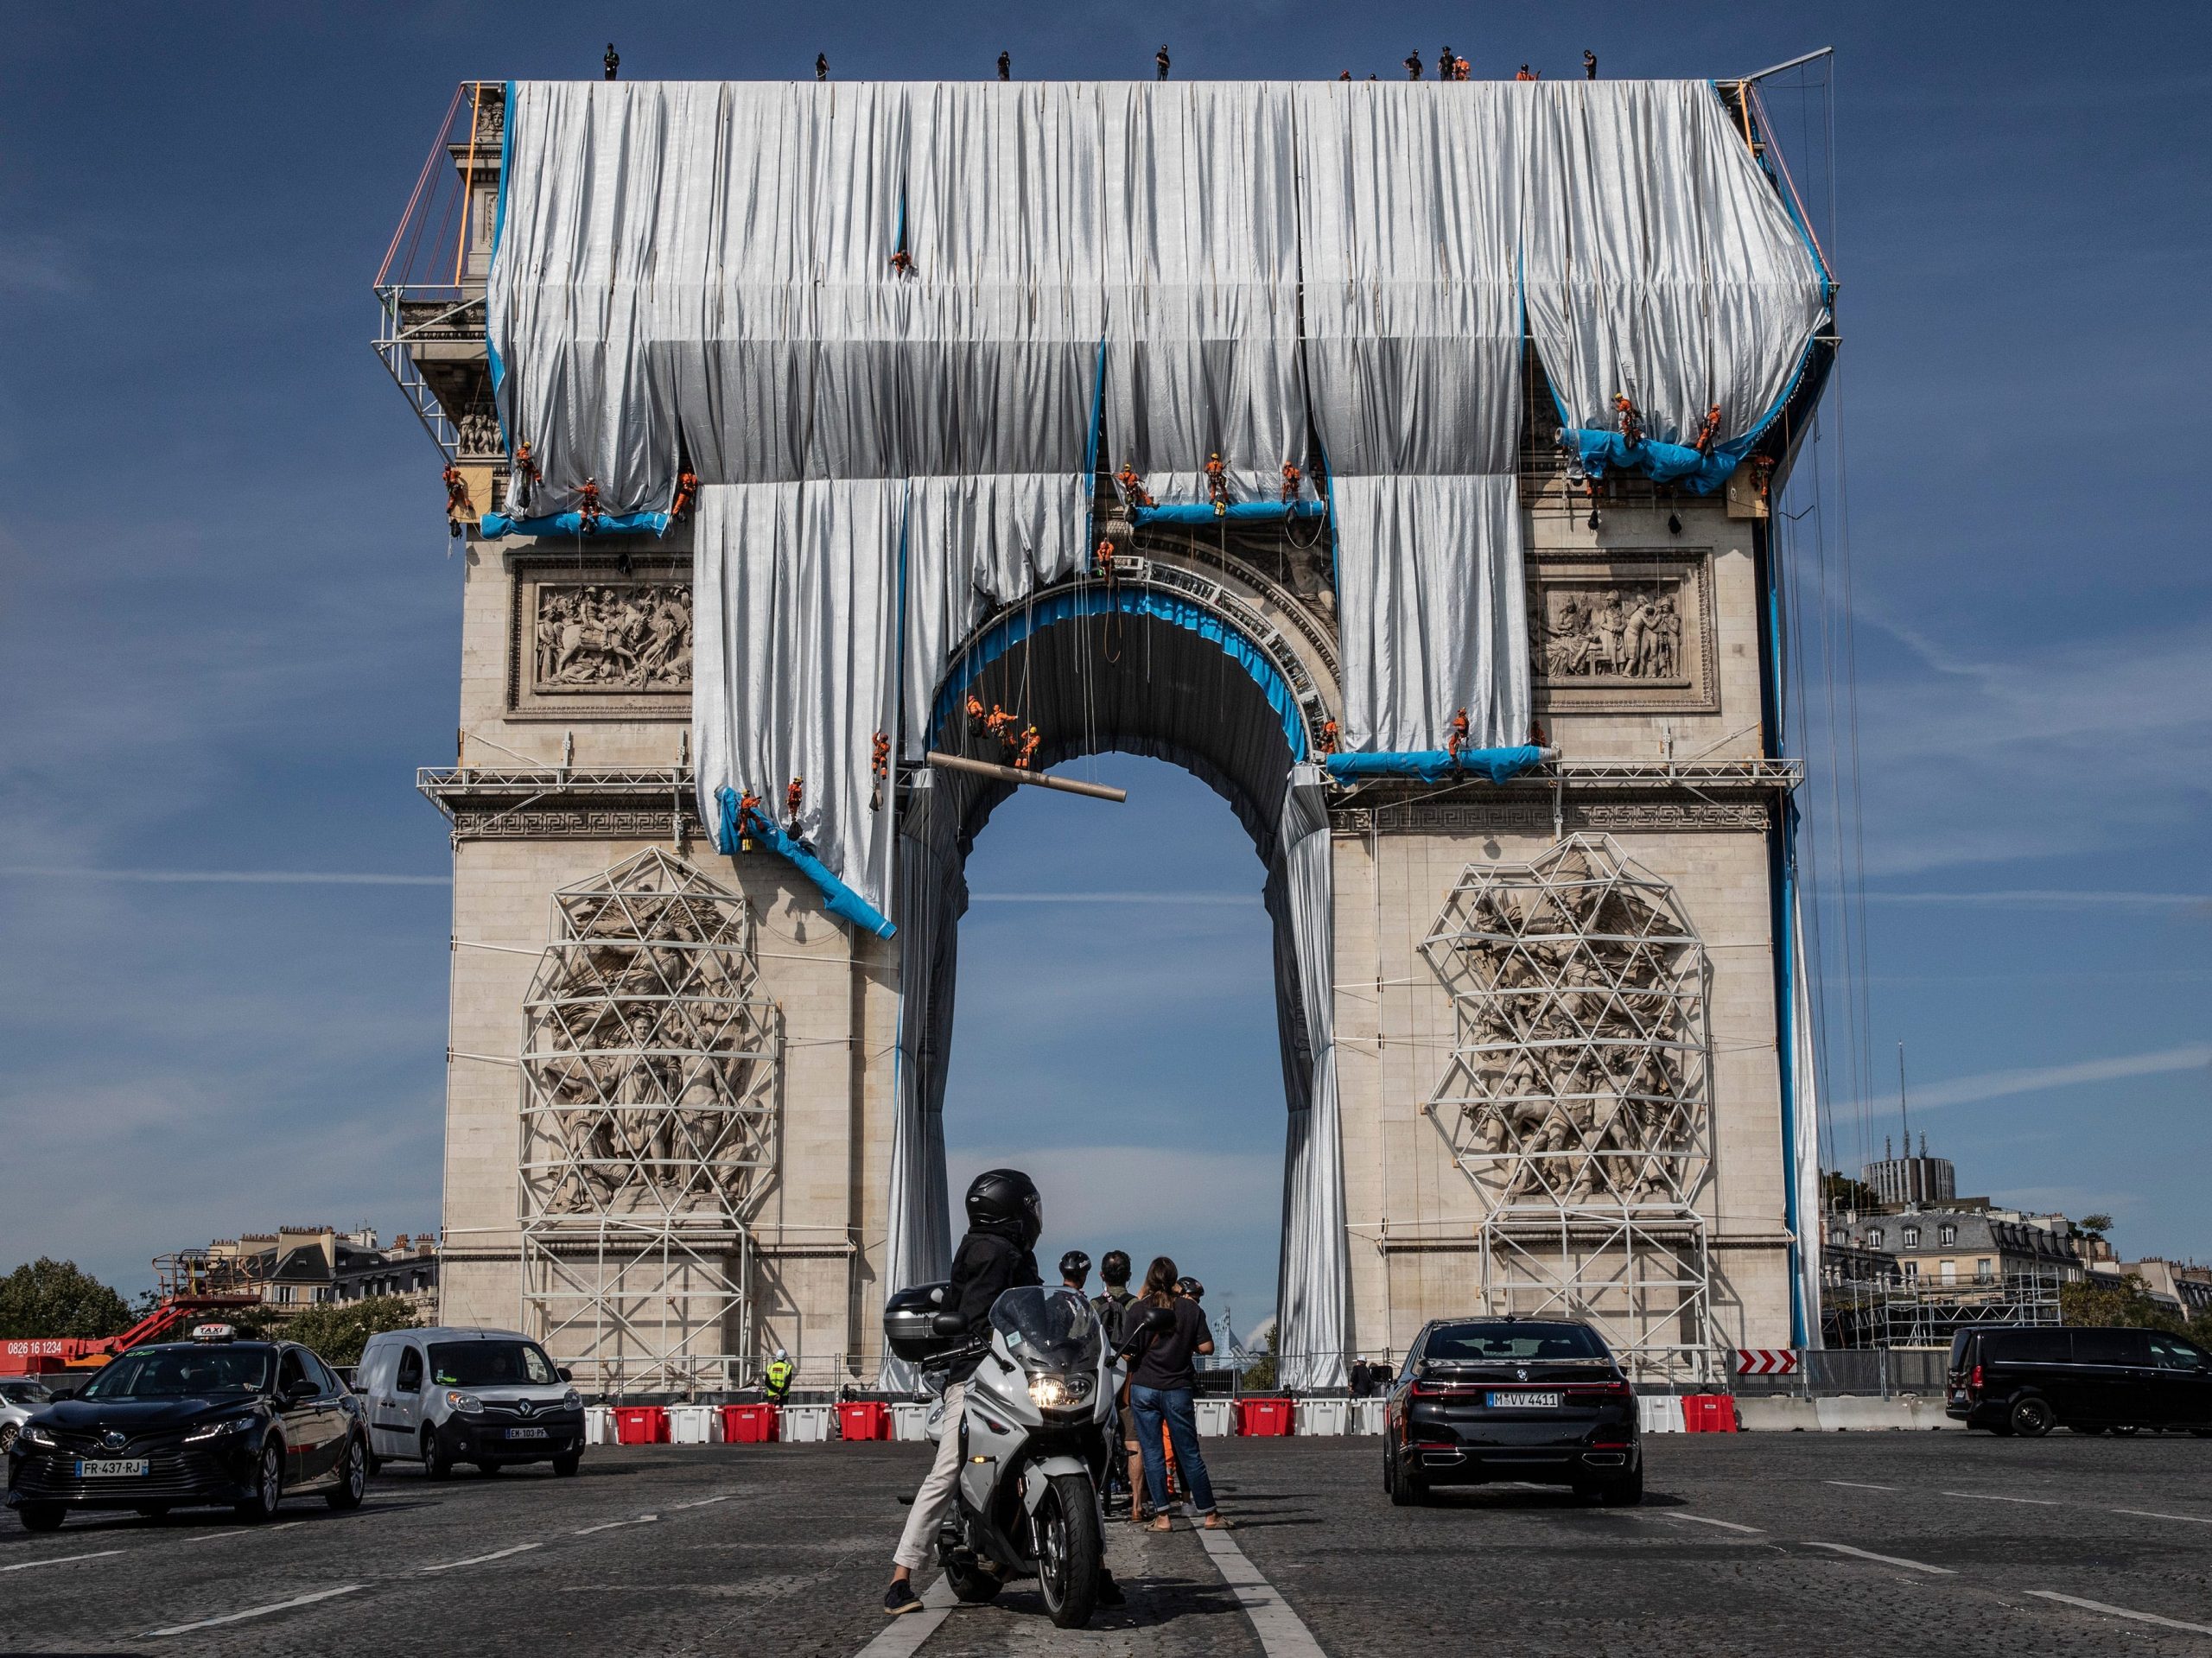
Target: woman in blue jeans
x=1160 y=1384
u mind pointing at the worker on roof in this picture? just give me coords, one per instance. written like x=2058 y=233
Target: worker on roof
x=1444 y=62
x=1005 y=66
x=1589 y=65
x=1412 y=65
x=1160 y=58
x=822 y=65
x=1527 y=73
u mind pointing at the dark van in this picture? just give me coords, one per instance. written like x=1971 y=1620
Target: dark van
x=2029 y=1379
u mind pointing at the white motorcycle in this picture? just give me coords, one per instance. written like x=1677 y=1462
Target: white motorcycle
x=1034 y=1439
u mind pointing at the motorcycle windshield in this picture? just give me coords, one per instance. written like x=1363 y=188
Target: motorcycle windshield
x=1055 y=1327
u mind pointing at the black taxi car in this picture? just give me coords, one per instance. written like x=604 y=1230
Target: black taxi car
x=1514 y=1399
x=214 y=1421
x=2028 y=1379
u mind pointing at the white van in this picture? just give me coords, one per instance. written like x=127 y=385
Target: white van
x=444 y=1395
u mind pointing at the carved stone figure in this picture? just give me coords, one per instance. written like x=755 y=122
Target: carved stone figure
x=1579 y=1077
x=613 y=637
x=1618 y=633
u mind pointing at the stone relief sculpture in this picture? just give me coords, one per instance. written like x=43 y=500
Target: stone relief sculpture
x=611 y=638
x=1578 y=1072
x=649 y=1063
x=1616 y=633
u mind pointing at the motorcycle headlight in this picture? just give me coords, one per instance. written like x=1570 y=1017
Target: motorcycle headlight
x=467 y=1404
x=217 y=1430
x=1057 y=1393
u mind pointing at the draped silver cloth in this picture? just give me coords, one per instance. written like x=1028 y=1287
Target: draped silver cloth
x=885 y=325
x=1661 y=262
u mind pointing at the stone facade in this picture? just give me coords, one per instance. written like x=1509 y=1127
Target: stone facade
x=575 y=752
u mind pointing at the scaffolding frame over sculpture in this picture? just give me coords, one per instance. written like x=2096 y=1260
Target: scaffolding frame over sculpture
x=1578 y=1100
x=651 y=1070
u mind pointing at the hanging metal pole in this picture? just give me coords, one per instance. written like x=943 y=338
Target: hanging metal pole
x=1825 y=52
x=1034 y=779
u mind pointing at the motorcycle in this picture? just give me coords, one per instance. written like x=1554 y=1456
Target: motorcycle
x=1034 y=1439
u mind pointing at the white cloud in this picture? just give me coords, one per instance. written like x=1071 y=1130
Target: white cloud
x=253 y=877
x=2034 y=1079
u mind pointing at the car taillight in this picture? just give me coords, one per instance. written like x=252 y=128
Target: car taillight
x=1603 y=1390
x=1974 y=1380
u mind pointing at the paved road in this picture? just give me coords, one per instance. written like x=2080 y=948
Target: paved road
x=1945 y=1543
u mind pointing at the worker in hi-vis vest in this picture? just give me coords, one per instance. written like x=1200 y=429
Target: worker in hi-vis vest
x=780 y=1371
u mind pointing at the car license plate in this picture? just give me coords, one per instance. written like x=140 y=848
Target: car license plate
x=1524 y=1401
x=111 y=1467
x=525 y=1434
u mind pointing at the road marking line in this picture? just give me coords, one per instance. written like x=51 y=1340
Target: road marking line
x=1703 y=1519
x=1861 y=1485
x=909 y=1629
x=2122 y=1612
x=1886 y=1559
x=613 y=1525
x=258 y=1611
x=480 y=1559
x=237 y=1532
x=60 y=1559
x=1991 y=1496
x=1282 y=1633
x=704 y=1501
x=2145 y=1514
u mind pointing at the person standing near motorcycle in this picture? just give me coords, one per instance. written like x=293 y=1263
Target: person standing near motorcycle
x=1161 y=1387
x=1005 y=1215
x=1113 y=1307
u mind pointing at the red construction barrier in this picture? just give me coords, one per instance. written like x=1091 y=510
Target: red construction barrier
x=751 y=1424
x=1708 y=1413
x=1263 y=1418
x=864 y=1419
x=640 y=1425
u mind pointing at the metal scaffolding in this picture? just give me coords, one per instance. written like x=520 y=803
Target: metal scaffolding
x=649 y=1070
x=1578 y=1098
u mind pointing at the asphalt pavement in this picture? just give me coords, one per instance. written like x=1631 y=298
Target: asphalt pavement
x=1935 y=1543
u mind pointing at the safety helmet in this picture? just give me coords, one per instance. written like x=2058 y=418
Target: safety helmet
x=1114 y=1269
x=1192 y=1288
x=782 y=1356
x=1075 y=1264
x=1006 y=1201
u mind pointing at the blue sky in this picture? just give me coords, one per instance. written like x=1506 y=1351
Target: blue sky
x=229 y=628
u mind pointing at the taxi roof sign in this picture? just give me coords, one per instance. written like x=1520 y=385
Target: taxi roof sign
x=215 y=1332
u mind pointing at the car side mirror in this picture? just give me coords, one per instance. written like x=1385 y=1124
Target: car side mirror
x=565 y=1374
x=298 y=1391
x=55 y=1396
x=1159 y=1320
x=949 y=1323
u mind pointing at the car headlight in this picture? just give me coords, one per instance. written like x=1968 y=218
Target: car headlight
x=466 y=1403
x=217 y=1430
x=572 y=1401
x=34 y=1434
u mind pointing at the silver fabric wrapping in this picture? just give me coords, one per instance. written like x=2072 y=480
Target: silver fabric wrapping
x=1201 y=286
x=1312 y=1296
x=1660 y=261
x=796 y=594
x=1410 y=204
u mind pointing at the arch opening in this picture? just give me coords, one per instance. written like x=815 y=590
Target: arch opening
x=1139 y=668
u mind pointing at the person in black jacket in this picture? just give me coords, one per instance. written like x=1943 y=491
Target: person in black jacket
x=1161 y=1387
x=1005 y=1215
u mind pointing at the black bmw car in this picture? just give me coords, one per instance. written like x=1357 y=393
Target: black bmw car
x=1511 y=1399
x=211 y=1421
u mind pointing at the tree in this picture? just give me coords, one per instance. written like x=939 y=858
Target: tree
x=1260 y=1376
x=53 y=1298
x=338 y=1331
x=1842 y=1191
x=2093 y=1226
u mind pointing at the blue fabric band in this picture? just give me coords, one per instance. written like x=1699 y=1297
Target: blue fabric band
x=837 y=898
x=1435 y=765
x=496 y=525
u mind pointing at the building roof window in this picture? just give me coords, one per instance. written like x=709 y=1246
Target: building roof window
x=1874 y=1239
x=1947 y=1233
x=1912 y=1237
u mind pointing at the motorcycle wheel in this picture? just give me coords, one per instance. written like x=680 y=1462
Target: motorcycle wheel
x=972 y=1582
x=1071 y=1550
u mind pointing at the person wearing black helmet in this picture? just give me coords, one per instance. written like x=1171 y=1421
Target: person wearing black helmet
x=1112 y=1305
x=1075 y=1270
x=1005 y=1215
